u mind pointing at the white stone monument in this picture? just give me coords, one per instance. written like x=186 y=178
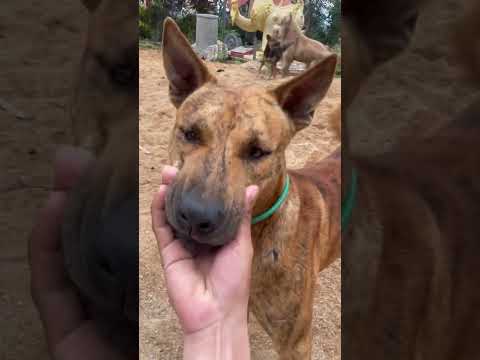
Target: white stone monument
x=206 y=33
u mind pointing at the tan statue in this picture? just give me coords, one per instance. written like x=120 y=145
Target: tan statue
x=264 y=15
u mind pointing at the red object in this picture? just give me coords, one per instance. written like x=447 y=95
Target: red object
x=241 y=52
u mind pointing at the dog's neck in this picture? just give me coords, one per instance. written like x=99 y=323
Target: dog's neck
x=266 y=201
x=293 y=33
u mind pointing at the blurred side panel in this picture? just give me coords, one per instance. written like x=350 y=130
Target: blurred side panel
x=410 y=110
x=68 y=126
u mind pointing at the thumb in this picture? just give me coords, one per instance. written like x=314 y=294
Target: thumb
x=250 y=196
x=241 y=246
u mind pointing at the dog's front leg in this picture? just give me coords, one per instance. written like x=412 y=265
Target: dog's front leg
x=285 y=313
x=274 y=71
x=261 y=66
x=287 y=59
x=301 y=349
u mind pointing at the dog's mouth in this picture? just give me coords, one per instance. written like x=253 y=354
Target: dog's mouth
x=193 y=245
x=193 y=240
x=219 y=238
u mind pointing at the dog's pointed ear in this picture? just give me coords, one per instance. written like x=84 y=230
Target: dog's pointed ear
x=91 y=5
x=184 y=69
x=300 y=96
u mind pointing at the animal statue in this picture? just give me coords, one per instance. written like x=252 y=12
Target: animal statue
x=264 y=15
x=304 y=49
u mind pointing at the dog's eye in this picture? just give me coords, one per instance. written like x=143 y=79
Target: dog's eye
x=257 y=153
x=123 y=74
x=191 y=135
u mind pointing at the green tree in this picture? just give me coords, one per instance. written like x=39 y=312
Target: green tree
x=322 y=20
x=334 y=23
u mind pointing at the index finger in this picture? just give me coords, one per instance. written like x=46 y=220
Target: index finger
x=161 y=229
x=171 y=250
x=158 y=208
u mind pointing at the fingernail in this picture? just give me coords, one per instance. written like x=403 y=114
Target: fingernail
x=162 y=188
x=168 y=174
x=169 y=169
x=252 y=193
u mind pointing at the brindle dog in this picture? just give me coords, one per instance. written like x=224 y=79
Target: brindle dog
x=226 y=138
x=100 y=232
x=272 y=54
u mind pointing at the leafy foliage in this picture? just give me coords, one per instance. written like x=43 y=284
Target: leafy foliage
x=322 y=20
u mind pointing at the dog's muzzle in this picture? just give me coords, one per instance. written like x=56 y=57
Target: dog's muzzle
x=200 y=219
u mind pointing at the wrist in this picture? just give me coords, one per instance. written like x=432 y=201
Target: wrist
x=226 y=339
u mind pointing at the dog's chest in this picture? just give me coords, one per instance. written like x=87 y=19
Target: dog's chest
x=274 y=55
x=281 y=258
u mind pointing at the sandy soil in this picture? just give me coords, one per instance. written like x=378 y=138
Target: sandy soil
x=39 y=47
x=159 y=330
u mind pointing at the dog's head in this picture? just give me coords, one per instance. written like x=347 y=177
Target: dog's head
x=228 y=137
x=281 y=26
x=106 y=88
x=286 y=25
x=99 y=235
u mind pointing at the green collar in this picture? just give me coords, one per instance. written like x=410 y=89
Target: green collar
x=348 y=204
x=283 y=196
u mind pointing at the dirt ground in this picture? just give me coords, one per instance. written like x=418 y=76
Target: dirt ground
x=39 y=49
x=160 y=336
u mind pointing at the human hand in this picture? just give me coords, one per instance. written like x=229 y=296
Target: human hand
x=209 y=291
x=70 y=334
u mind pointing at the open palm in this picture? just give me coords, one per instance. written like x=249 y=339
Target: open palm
x=206 y=288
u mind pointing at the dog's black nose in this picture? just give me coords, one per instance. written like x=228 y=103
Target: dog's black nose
x=198 y=216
